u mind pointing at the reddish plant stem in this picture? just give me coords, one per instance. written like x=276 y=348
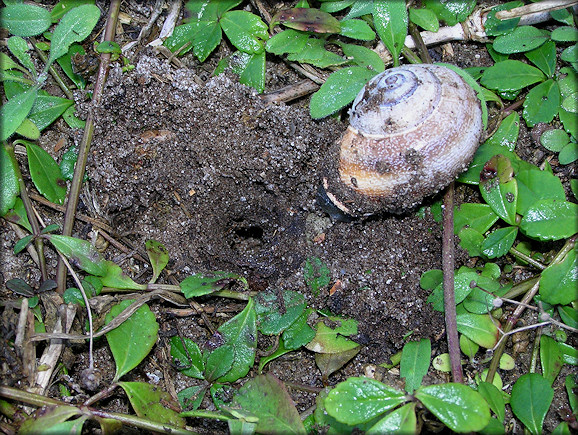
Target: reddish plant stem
x=84 y=148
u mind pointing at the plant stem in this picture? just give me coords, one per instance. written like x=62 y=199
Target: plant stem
x=527 y=259
x=80 y=166
x=59 y=81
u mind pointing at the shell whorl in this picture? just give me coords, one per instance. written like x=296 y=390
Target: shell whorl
x=412 y=130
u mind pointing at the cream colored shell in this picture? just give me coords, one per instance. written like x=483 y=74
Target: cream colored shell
x=412 y=130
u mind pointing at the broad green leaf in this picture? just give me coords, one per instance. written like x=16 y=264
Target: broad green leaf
x=63 y=6
x=19 y=48
x=25 y=20
x=479 y=217
x=132 y=341
x=15 y=111
x=494 y=398
x=560 y=280
x=75 y=26
x=202 y=284
x=424 y=18
x=530 y=400
x=571 y=385
x=534 y=185
x=245 y=31
x=390 y=20
x=507 y=134
x=330 y=6
x=521 y=39
x=21 y=244
x=287 y=41
x=358 y=400
x=569 y=316
x=316 y=274
x=511 y=75
x=544 y=57
x=17 y=214
x=9 y=188
x=240 y=336
x=266 y=398
x=550 y=219
x=357 y=29
x=363 y=56
x=359 y=9
x=191 y=398
x=47 y=109
x=158 y=256
x=147 y=400
x=45 y=174
x=299 y=333
x=219 y=361
x=277 y=310
x=542 y=103
x=499 y=242
x=568 y=154
x=550 y=358
x=253 y=73
x=52 y=417
x=114 y=277
x=463 y=285
x=331 y=334
x=329 y=363
x=307 y=20
x=458 y=406
x=471 y=240
x=400 y=421
x=187 y=357
x=499 y=189
x=415 y=358
x=479 y=328
x=565 y=34
x=339 y=90
x=495 y=27
x=431 y=279
x=315 y=53
x=209 y=9
x=468 y=347
x=569 y=353
x=28 y=130
x=80 y=253
x=480 y=301
x=451 y=11
x=554 y=140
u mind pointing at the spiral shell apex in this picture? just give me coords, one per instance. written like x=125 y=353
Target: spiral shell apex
x=412 y=130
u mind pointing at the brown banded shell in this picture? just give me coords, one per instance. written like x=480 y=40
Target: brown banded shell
x=412 y=130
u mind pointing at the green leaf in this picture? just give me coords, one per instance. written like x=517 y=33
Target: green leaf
x=363 y=56
x=45 y=174
x=147 y=401
x=63 y=6
x=559 y=281
x=451 y=11
x=530 y=400
x=495 y=27
x=299 y=333
x=479 y=328
x=431 y=279
x=15 y=111
x=357 y=29
x=479 y=217
x=17 y=214
x=330 y=6
x=329 y=363
x=19 y=48
x=415 y=358
x=494 y=398
x=534 y=185
x=245 y=31
x=390 y=21
x=542 y=103
x=266 y=398
x=132 y=341
x=240 y=337
x=400 y=421
x=544 y=57
x=521 y=39
x=287 y=41
x=550 y=219
x=276 y=311
x=187 y=357
x=499 y=189
x=480 y=301
x=9 y=188
x=358 y=400
x=462 y=288
x=511 y=75
x=315 y=53
x=338 y=91
x=316 y=274
x=307 y=20
x=331 y=334
x=507 y=134
x=424 y=18
x=21 y=244
x=75 y=26
x=471 y=240
x=25 y=20
x=28 y=129
x=191 y=398
x=468 y=347
x=565 y=34
x=499 y=242
x=53 y=420
x=219 y=361
x=550 y=358
x=158 y=256
x=458 y=406
x=554 y=140
x=570 y=54
x=47 y=109
x=569 y=316
x=203 y=284
x=114 y=277
x=253 y=73
x=570 y=383
x=80 y=253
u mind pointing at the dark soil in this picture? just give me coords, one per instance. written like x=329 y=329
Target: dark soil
x=227 y=182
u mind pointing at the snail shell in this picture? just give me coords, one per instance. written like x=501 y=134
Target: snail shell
x=412 y=130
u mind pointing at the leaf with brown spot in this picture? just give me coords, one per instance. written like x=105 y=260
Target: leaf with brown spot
x=307 y=20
